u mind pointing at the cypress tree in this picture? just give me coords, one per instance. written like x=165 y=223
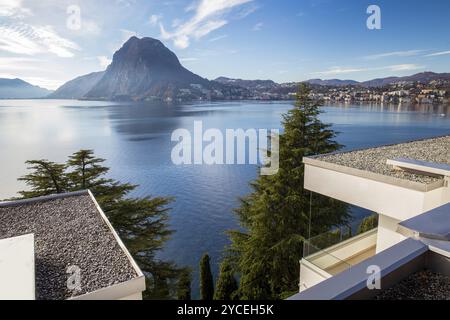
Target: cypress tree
x=276 y=215
x=184 y=286
x=206 y=279
x=226 y=286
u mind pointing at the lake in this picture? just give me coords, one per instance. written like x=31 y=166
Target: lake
x=136 y=141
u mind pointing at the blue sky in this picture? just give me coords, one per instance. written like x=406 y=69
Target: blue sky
x=283 y=40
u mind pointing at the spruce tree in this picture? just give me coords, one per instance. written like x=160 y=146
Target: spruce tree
x=276 y=215
x=184 y=286
x=206 y=279
x=226 y=285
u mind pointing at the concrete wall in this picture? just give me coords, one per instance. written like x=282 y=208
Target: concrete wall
x=398 y=202
x=387 y=233
x=17 y=264
x=310 y=275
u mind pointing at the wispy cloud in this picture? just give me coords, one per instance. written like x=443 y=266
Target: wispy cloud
x=404 y=67
x=438 y=54
x=258 y=26
x=247 y=11
x=13 y=8
x=26 y=39
x=408 y=53
x=155 y=19
x=218 y=38
x=209 y=15
x=335 y=71
x=339 y=70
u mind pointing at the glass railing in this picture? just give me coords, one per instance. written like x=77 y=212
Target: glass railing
x=325 y=240
x=324 y=251
x=325 y=259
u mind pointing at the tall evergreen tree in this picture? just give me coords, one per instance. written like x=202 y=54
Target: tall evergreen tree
x=226 y=286
x=276 y=216
x=184 y=286
x=206 y=279
x=142 y=223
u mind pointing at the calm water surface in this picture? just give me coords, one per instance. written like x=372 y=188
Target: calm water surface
x=135 y=140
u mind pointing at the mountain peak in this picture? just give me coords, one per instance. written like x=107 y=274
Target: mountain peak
x=141 y=41
x=144 y=68
x=151 y=50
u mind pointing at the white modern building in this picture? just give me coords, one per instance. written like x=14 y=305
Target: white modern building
x=63 y=247
x=407 y=185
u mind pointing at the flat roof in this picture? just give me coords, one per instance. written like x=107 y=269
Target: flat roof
x=17 y=268
x=434 y=224
x=70 y=230
x=374 y=160
x=422 y=285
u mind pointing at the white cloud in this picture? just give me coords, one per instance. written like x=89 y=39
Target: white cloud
x=218 y=38
x=247 y=11
x=26 y=39
x=405 y=67
x=437 y=54
x=209 y=15
x=104 y=61
x=155 y=19
x=339 y=70
x=348 y=70
x=258 y=26
x=13 y=8
x=408 y=53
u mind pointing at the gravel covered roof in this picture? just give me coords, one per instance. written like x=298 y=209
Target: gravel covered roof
x=436 y=150
x=423 y=285
x=69 y=231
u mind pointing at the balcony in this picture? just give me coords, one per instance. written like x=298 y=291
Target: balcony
x=332 y=253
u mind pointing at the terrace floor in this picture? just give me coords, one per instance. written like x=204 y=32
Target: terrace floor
x=354 y=260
